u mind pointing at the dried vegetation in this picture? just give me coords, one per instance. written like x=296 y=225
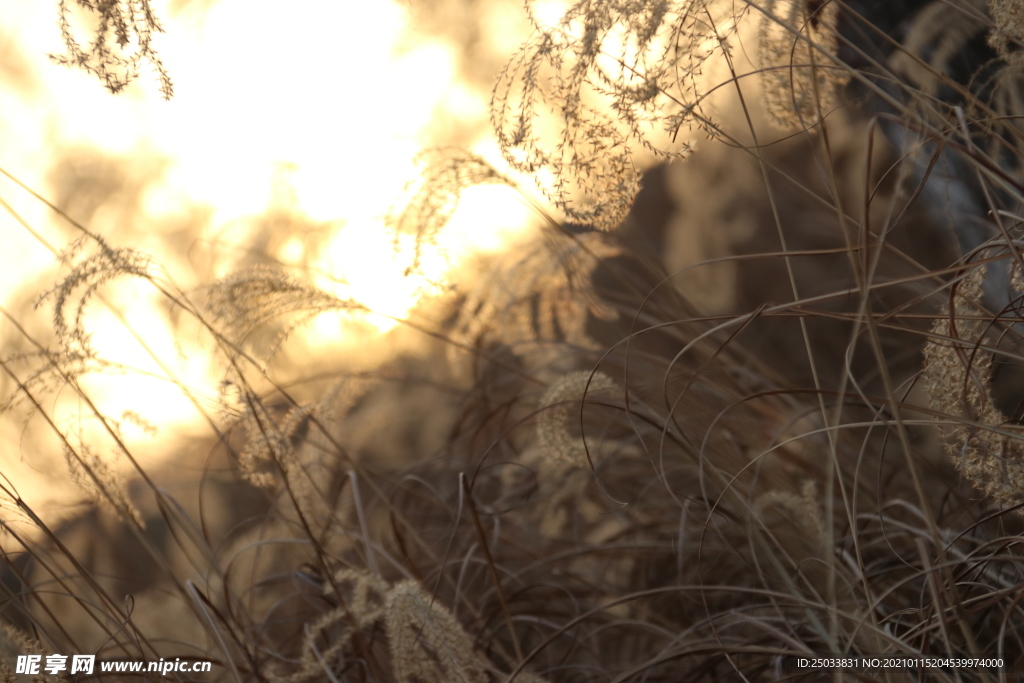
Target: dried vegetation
x=585 y=475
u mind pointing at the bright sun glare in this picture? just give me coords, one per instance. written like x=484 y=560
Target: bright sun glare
x=329 y=99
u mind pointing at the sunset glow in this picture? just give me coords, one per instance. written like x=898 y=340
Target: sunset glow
x=315 y=113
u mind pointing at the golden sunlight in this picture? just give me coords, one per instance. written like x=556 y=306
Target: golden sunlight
x=315 y=113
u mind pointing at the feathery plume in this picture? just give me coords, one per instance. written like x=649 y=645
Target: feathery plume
x=432 y=200
x=798 y=75
x=249 y=299
x=536 y=292
x=428 y=645
x=957 y=376
x=804 y=508
x=76 y=290
x=1008 y=30
x=14 y=642
x=265 y=445
x=367 y=594
x=363 y=607
x=123 y=41
x=937 y=34
x=564 y=449
x=609 y=79
x=100 y=481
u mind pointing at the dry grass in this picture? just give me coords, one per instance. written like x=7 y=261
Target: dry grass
x=587 y=472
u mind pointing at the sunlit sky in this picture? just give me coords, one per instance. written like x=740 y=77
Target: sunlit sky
x=316 y=111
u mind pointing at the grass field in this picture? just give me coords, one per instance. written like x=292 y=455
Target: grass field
x=740 y=387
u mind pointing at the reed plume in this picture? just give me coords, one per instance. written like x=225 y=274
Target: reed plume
x=957 y=376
